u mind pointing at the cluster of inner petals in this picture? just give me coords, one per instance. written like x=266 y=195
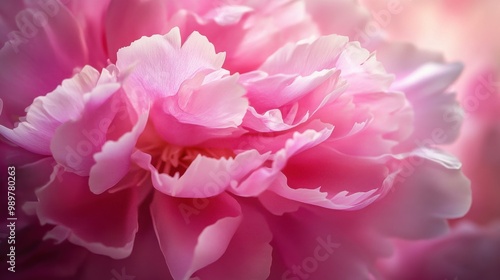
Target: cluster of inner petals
x=173 y=159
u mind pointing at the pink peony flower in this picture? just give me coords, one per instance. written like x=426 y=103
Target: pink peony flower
x=250 y=142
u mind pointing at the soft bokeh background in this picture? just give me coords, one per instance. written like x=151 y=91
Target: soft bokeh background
x=465 y=31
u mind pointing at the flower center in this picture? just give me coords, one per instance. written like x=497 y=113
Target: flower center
x=171 y=159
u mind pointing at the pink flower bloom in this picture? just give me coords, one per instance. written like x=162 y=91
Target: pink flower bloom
x=252 y=144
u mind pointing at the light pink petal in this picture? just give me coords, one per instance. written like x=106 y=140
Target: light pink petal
x=363 y=72
x=403 y=58
x=84 y=218
x=344 y=182
x=306 y=57
x=275 y=141
x=343 y=200
x=113 y=162
x=437 y=113
x=264 y=177
x=200 y=112
x=205 y=177
x=194 y=233
x=48 y=112
x=207 y=106
x=369 y=124
x=429 y=79
x=281 y=102
x=298 y=143
x=76 y=141
x=160 y=64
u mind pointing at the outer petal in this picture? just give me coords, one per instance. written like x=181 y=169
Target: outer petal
x=129 y=20
x=36 y=59
x=425 y=78
x=425 y=195
x=75 y=142
x=145 y=262
x=42 y=259
x=331 y=247
x=191 y=243
x=358 y=183
x=249 y=254
x=84 y=218
x=91 y=16
x=48 y=112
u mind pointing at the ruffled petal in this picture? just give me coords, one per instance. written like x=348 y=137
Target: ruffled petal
x=205 y=177
x=49 y=112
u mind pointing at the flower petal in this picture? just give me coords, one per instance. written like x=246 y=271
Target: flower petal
x=113 y=162
x=194 y=233
x=84 y=218
x=250 y=246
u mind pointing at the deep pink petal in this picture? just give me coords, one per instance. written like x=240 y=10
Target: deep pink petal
x=250 y=246
x=194 y=233
x=84 y=218
x=143 y=18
